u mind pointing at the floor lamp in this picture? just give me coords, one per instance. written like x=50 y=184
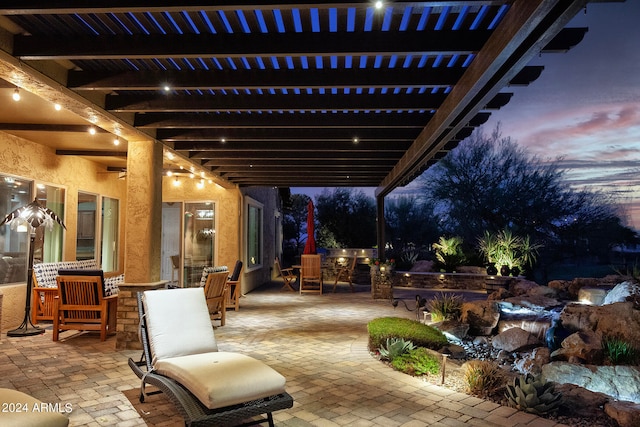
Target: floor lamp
x=34 y=215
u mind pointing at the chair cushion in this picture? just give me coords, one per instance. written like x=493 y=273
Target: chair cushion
x=28 y=411
x=222 y=378
x=207 y=270
x=193 y=334
x=111 y=285
x=46 y=272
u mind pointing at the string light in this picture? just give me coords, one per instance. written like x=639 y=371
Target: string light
x=116 y=141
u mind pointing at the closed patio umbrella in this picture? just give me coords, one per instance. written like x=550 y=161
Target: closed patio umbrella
x=310 y=246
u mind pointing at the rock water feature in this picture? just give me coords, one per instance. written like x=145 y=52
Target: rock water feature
x=514 y=327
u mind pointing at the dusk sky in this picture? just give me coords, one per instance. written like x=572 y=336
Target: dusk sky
x=585 y=107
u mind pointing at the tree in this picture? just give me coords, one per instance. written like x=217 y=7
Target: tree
x=409 y=226
x=348 y=216
x=295 y=220
x=490 y=183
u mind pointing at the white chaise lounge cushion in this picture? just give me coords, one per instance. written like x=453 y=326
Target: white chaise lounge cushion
x=178 y=323
x=221 y=379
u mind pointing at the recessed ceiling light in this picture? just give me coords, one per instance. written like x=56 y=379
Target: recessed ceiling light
x=57 y=106
x=379 y=5
x=116 y=141
x=16 y=94
x=92 y=130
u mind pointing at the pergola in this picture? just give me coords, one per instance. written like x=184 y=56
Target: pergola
x=286 y=94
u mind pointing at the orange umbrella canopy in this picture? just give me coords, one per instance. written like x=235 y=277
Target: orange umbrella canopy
x=310 y=246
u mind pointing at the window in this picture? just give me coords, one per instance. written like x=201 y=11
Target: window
x=14 y=241
x=110 y=233
x=254 y=234
x=49 y=243
x=86 y=232
x=199 y=240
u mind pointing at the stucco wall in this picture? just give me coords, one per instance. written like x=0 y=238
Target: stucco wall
x=227 y=210
x=36 y=162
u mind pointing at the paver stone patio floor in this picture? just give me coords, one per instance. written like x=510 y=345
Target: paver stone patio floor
x=318 y=342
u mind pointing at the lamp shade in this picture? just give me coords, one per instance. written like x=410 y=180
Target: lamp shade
x=33 y=214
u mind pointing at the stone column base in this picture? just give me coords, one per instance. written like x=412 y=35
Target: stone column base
x=128 y=319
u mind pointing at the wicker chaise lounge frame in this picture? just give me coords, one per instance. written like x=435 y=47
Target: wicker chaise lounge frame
x=191 y=409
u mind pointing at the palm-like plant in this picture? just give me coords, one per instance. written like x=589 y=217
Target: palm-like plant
x=505 y=248
x=449 y=252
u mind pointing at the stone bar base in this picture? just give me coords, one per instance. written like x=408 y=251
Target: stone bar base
x=463 y=281
x=128 y=319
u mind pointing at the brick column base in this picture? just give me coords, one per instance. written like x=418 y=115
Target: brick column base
x=128 y=319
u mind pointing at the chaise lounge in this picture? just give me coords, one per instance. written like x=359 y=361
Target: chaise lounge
x=181 y=359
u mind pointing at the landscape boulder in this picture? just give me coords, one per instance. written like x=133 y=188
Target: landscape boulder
x=619 y=382
x=619 y=320
x=580 y=347
x=481 y=316
x=515 y=339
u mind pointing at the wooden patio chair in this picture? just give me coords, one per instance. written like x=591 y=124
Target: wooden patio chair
x=288 y=276
x=346 y=274
x=216 y=294
x=310 y=274
x=81 y=305
x=234 y=287
x=181 y=359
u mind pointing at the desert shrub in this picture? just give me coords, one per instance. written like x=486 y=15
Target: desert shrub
x=418 y=361
x=395 y=347
x=481 y=377
x=410 y=330
x=449 y=252
x=620 y=352
x=445 y=307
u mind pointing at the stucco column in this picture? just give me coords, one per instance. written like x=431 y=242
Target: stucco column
x=143 y=228
x=143 y=218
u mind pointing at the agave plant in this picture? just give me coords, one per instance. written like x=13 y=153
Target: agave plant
x=533 y=394
x=395 y=347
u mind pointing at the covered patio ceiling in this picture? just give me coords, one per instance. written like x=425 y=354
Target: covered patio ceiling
x=283 y=94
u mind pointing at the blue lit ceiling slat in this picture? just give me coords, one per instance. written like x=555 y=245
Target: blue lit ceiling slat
x=315 y=20
x=245 y=63
x=202 y=63
x=443 y=18
x=216 y=63
x=351 y=19
x=333 y=20
x=304 y=62
x=154 y=22
x=388 y=17
x=132 y=65
x=297 y=20
x=424 y=18
x=114 y=18
x=461 y=16
x=205 y=18
x=225 y=21
x=136 y=22
x=85 y=24
x=406 y=17
x=231 y=63
x=290 y=64
x=279 y=22
x=368 y=19
x=243 y=22
x=334 y=61
x=503 y=9
x=479 y=17
x=260 y=63
x=174 y=64
x=172 y=22
x=423 y=61
x=319 y=65
x=274 y=63
x=348 y=61
x=363 y=61
x=377 y=62
x=190 y=23
x=261 y=23
x=188 y=64
x=438 y=61
x=407 y=61
x=452 y=61
x=393 y=59
x=467 y=61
